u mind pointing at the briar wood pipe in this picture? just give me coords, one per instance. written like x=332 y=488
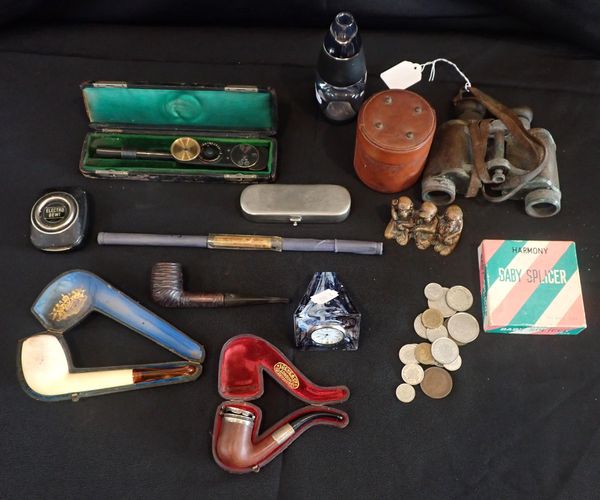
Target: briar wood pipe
x=167 y=291
x=235 y=448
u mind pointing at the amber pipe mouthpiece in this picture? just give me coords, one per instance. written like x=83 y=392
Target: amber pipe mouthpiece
x=153 y=374
x=167 y=290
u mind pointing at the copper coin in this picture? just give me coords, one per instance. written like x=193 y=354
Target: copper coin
x=423 y=354
x=432 y=318
x=437 y=383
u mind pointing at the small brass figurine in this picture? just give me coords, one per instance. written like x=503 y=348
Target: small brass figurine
x=401 y=225
x=449 y=230
x=425 y=226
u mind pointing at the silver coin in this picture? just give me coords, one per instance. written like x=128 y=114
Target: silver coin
x=419 y=327
x=407 y=354
x=444 y=351
x=459 y=344
x=459 y=298
x=455 y=365
x=436 y=333
x=405 y=393
x=441 y=305
x=412 y=374
x=463 y=327
x=433 y=291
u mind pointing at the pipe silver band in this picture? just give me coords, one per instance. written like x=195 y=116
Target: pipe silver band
x=237 y=415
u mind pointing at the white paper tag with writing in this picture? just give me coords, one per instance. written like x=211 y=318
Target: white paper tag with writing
x=402 y=75
x=324 y=296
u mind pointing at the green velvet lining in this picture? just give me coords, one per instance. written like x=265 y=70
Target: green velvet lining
x=181 y=107
x=94 y=140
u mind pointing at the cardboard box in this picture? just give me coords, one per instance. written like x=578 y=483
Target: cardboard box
x=530 y=287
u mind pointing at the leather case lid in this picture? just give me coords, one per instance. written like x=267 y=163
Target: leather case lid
x=243 y=360
x=180 y=107
x=397 y=121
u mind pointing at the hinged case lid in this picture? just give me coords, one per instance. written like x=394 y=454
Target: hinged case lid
x=245 y=358
x=177 y=106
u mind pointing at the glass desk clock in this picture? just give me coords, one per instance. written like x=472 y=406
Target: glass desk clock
x=326 y=318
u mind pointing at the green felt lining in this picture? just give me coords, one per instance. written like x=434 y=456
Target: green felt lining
x=159 y=143
x=181 y=107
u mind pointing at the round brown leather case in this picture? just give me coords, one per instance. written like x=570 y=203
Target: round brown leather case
x=393 y=136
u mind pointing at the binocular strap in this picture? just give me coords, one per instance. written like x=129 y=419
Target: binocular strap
x=479 y=131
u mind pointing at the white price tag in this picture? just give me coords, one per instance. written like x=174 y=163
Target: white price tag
x=402 y=75
x=324 y=296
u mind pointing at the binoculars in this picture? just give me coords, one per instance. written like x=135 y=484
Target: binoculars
x=510 y=173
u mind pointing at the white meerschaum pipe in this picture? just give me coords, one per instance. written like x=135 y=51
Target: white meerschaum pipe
x=46 y=370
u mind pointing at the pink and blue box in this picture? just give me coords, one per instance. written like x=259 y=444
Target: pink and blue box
x=530 y=287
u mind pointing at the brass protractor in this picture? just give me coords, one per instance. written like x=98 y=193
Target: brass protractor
x=185 y=149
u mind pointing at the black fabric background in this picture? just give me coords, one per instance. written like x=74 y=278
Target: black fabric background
x=574 y=20
x=522 y=420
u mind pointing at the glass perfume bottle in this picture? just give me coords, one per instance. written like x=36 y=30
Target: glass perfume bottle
x=341 y=70
x=326 y=318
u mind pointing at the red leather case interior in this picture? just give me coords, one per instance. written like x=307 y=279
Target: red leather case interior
x=243 y=360
x=245 y=357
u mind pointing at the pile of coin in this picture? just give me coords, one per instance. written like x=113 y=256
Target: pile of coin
x=446 y=326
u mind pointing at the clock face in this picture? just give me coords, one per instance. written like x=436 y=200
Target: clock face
x=327 y=335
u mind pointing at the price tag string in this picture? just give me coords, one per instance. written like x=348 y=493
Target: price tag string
x=407 y=73
x=441 y=59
